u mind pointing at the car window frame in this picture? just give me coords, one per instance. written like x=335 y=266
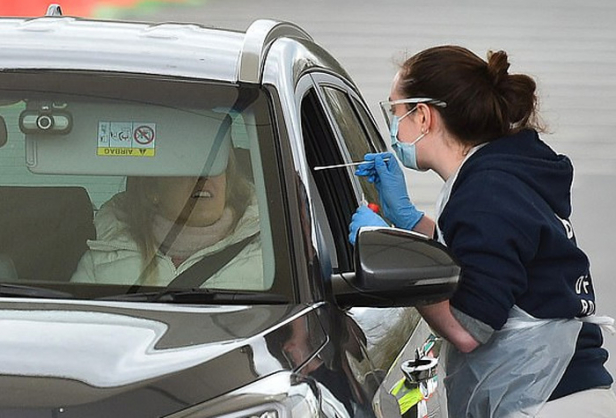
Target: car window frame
x=334 y=227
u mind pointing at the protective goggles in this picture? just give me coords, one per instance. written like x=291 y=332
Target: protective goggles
x=388 y=107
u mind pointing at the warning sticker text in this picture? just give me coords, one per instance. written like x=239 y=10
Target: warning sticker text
x=126 y=139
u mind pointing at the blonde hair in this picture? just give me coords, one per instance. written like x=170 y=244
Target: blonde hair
x=138 y=207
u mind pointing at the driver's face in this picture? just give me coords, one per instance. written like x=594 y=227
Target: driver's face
x=193 y=201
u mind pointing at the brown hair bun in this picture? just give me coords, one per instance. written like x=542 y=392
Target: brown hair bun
x=498 y=66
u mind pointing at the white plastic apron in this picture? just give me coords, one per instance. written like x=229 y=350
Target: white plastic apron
x=516 y=371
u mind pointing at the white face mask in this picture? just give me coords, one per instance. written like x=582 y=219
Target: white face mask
x=406 y=153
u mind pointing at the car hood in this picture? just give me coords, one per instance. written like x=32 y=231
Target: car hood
x=82 y=357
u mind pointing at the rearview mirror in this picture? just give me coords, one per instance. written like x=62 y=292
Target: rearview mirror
x=394 y=267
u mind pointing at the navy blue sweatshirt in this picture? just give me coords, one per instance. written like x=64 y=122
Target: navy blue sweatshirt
x=507 y=222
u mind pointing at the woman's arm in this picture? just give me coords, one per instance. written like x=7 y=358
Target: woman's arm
x=439 y=315
x=425 y=226
x=442 y=321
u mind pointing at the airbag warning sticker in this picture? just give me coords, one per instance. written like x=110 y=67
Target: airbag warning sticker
x=128 y=139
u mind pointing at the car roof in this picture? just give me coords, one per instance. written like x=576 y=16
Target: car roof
x=172 y=49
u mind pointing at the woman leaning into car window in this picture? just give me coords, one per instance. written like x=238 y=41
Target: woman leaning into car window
x=523 y=337
x=162 y=226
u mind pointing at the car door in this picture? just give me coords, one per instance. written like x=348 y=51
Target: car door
x=337 y=128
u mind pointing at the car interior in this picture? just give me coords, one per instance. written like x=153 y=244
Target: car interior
x=43 y=231
x=63 y=155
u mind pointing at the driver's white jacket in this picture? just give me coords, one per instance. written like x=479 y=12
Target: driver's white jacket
x=114 y=257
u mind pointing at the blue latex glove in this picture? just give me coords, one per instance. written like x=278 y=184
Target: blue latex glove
x=363 y=216
x=383 y=170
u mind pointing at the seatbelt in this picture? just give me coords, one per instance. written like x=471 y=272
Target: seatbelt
x=197 y=274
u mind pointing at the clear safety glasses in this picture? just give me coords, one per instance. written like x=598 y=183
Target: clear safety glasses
x=388 y=107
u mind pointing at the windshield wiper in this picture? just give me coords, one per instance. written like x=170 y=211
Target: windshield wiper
x=200 y=296
x=20 y=291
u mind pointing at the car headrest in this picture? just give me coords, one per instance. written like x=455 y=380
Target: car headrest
x=43 y=230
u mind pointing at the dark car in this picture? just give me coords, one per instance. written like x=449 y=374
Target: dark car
x=171 y=245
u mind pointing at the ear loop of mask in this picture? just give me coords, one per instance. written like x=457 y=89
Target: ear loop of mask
x=406 y=152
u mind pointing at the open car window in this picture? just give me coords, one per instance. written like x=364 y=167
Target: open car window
x=111 y=183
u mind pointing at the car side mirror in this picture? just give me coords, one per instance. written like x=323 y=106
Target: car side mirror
x=395 y=267
x=3 y=132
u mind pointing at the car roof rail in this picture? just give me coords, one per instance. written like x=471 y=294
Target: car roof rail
x=54 y=10
x=259 y=37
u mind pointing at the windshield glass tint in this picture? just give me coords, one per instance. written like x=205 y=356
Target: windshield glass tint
x=113 y=184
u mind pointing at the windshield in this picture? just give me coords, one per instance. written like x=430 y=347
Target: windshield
x=115 y=184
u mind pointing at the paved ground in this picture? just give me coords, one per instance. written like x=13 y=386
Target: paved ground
x=568 y=46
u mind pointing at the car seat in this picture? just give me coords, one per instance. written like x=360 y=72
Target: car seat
x=43 y=231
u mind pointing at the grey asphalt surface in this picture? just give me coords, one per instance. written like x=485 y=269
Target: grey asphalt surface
x=569 y=47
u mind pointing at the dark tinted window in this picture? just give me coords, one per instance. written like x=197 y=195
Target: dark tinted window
x=334 y=186
x=358 y=132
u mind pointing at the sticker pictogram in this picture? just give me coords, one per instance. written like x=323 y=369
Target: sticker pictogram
x=144 y=134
